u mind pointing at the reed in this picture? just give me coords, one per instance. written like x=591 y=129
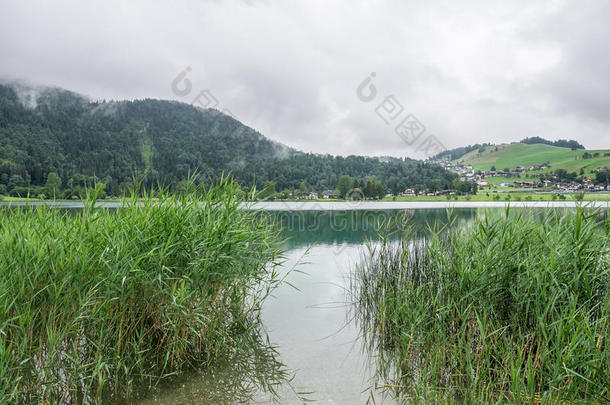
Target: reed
x=514 y=308
x=96 y=302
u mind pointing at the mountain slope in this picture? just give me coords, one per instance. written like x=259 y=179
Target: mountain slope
x=51 y=130
x=519 y=154
x=67 y=134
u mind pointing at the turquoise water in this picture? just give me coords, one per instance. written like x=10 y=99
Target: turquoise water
x=309 y=346
x=308 y=322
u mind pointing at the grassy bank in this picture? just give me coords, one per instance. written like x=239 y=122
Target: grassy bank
x=95 y=303
x=502 y=194
x=13 y=199
x=508 y=195
x=512 y=309
x=516 y=154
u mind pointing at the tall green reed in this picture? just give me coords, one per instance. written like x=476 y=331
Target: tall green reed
x=513 y=308
x=95 y=302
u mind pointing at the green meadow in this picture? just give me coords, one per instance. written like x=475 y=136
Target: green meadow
x=518 y=154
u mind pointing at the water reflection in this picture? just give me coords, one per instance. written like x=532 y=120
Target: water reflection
x=313 y=346
x=394 y=378
x=253 y=372
x=306 y=346
x=308 y=319
x=304 y=228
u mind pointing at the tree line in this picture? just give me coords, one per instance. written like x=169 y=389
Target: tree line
x=65 y=143
x=561 y=143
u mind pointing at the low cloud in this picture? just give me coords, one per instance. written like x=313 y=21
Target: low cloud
x=478 y=71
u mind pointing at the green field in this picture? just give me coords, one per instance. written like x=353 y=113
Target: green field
x=518 y=154
x=515 y=195
x=15 y=199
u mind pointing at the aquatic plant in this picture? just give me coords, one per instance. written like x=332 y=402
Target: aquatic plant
x=237 y=377
x=96 y=302
x=514 y=308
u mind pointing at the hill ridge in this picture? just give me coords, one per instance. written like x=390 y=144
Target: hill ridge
x=527 y=155
x=83 y=141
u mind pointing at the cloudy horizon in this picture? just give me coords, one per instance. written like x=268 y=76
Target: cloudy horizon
x=471 y=72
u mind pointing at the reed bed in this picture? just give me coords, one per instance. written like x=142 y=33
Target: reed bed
x=94 y=303
x=512 y=309
x=251 y=374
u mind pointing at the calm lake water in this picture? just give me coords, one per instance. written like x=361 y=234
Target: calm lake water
x=310 y=348
x=345 y=205
x=309 y=322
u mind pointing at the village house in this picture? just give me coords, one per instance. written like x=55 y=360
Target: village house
x=505 y=174
x=326 y=194
x=547 y=183
x=539 y=167
x=444 y=192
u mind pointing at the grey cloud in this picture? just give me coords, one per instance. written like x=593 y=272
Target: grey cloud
x=478 y=71
x=580 y=86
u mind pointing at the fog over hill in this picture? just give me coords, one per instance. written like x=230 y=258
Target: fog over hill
x=471 y=72
x=47 y=130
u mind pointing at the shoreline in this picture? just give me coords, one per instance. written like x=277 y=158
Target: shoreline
x=399 y=205
x=344 y=205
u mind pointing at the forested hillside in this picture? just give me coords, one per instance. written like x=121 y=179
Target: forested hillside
x=56 y=142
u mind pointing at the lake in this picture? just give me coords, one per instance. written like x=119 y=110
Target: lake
x=309 y=346
x=344 y=205
x=308 y=321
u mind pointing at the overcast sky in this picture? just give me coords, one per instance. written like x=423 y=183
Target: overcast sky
x=469 y=72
